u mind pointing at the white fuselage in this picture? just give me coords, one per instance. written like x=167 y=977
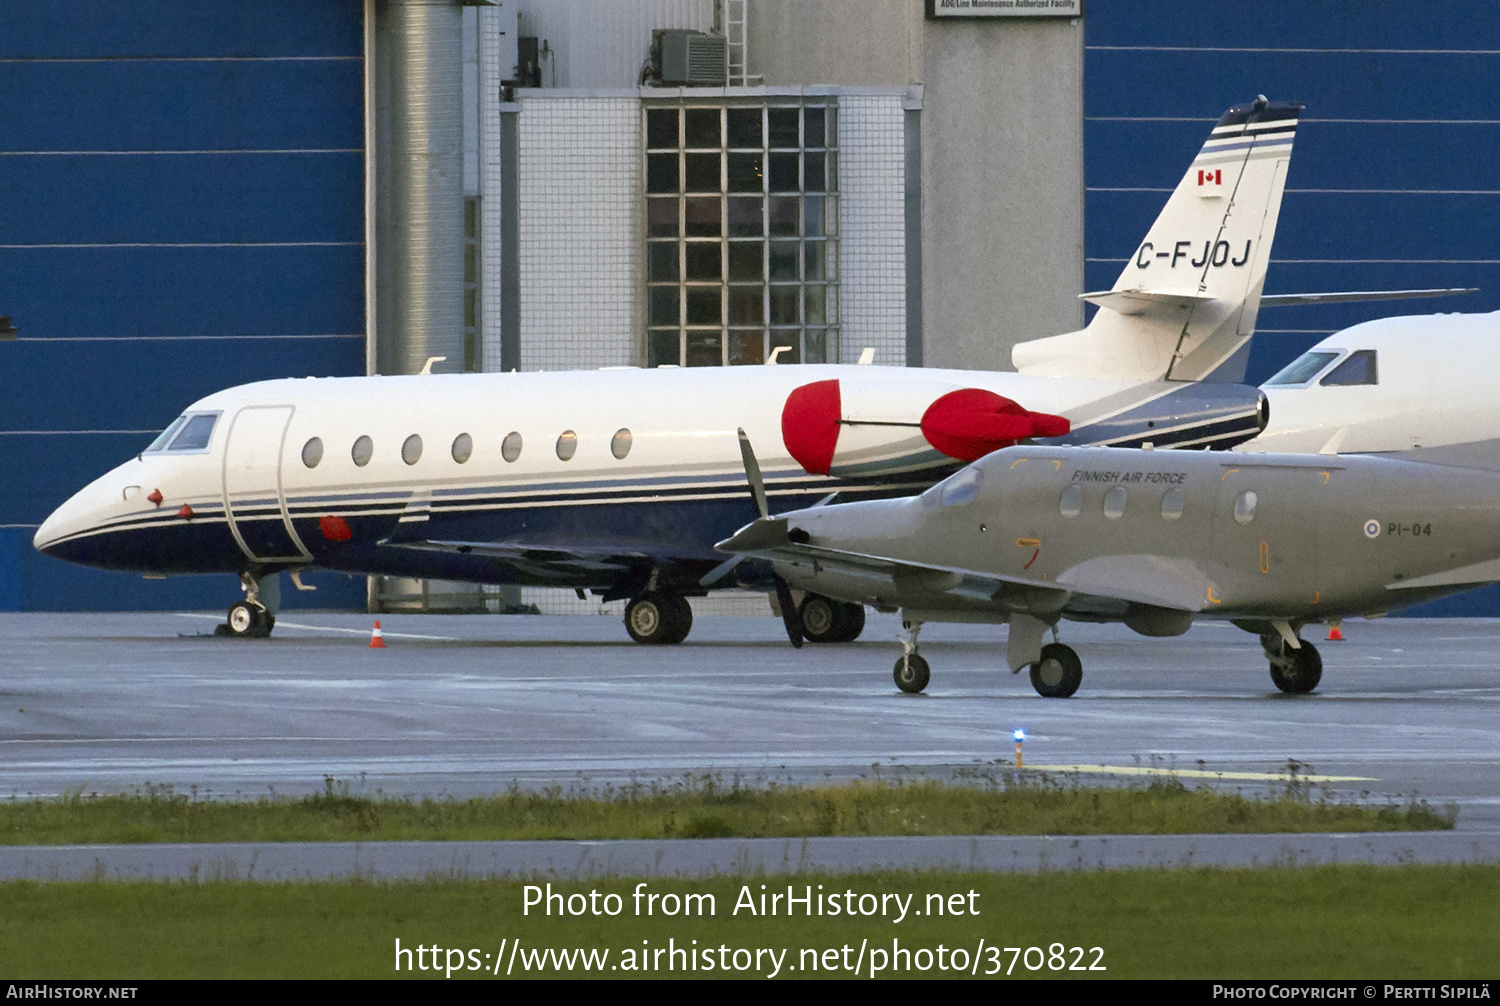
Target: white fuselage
x=1435 y=385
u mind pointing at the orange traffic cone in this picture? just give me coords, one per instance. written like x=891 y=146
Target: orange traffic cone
x=377 y=640
x=1335 y=631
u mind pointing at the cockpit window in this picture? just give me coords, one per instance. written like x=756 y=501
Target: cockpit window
x=1359 y=368
x=195 y=433
x=1304 y=368
x=161 y=441
x=960 y=489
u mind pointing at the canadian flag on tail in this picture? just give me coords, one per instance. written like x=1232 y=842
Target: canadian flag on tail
x=1210 y=182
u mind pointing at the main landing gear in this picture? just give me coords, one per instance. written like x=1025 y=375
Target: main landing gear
x=255 y=616
x=659 y=616
x=1056 y=675
x=825 y=620
x=1294 y=671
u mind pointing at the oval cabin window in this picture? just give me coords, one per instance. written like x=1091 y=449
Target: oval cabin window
x=362 y=451
x=1171 y=504
x=510 y=447
x=620 y=445
x=1244 y=507
x=1071 y=503
x=312 y=452
x=1114 y=503
x=567 y=445
x=463 y=447
x=411 y=450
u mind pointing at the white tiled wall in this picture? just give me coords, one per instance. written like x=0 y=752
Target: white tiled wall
x=580 y=194
x=490 y=27
x=872 y=217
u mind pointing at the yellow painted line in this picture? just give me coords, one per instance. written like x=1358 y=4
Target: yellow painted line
x=1190 y=773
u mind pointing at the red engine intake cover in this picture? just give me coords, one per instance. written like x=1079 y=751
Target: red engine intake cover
x=810 y=425
x=969 y=423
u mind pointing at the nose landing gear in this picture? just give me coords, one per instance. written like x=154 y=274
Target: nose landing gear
x=255 y=616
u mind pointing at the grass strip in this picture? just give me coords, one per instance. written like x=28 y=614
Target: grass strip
x=991 y=802
x=1351 y=921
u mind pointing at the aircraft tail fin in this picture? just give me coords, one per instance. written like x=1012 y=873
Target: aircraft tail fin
x=1184 y=307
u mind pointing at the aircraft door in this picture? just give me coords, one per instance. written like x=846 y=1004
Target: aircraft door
x=1265 y=535
x=253 y=496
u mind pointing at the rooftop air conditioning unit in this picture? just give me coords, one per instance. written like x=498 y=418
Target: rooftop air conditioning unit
x=692 y=58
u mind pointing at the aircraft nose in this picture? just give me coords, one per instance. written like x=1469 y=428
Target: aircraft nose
x=66 y=522
x=66 y=533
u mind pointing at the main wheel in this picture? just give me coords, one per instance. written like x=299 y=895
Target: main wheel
x=820 y=618
x=853 y=622
x=1058 y=674
x=912 y=673
x=1298 y=671
x=654 y=618
x=825 y=620
x=249 y=620
x=682 y=618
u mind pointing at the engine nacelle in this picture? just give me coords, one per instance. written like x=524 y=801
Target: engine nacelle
x=851 y=428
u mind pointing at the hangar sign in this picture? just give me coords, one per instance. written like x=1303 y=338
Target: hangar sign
x=1004 y=8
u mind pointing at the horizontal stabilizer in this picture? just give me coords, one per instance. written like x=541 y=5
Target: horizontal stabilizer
x=1137 y=302
x=1293 y=299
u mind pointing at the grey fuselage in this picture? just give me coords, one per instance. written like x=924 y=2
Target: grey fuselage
x=1089 y=534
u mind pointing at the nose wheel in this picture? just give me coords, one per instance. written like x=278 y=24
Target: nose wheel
x=249 y=620
x=254 y=617
x=912 y=673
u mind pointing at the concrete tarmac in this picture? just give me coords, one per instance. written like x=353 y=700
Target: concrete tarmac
x=461 y=705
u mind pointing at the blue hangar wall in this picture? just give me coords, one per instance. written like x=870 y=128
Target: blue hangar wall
x=1393 y=181
x=181 y=210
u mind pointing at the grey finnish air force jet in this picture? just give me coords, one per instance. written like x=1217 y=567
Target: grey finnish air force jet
x=1033 y=535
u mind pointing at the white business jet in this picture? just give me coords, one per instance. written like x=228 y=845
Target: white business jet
x=1395 y=384
x=619 y=482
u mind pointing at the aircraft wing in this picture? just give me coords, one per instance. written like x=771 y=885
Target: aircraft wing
x=1100 y=582
x=574 y=556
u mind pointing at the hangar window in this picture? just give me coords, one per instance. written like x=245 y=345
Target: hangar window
x=1171 y=504
x=463 y=447
x=1359 y=368
x=195 y=433
x=619 y=445
x=362 y=451
x=411 y=449
x=1244 y=507
x=312 y=452
x=742 y=232
x=960 y=489
x=567 y=445
x=1304 y=368
x=1071 y=503
x=510 y=447
x=1114 y=503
